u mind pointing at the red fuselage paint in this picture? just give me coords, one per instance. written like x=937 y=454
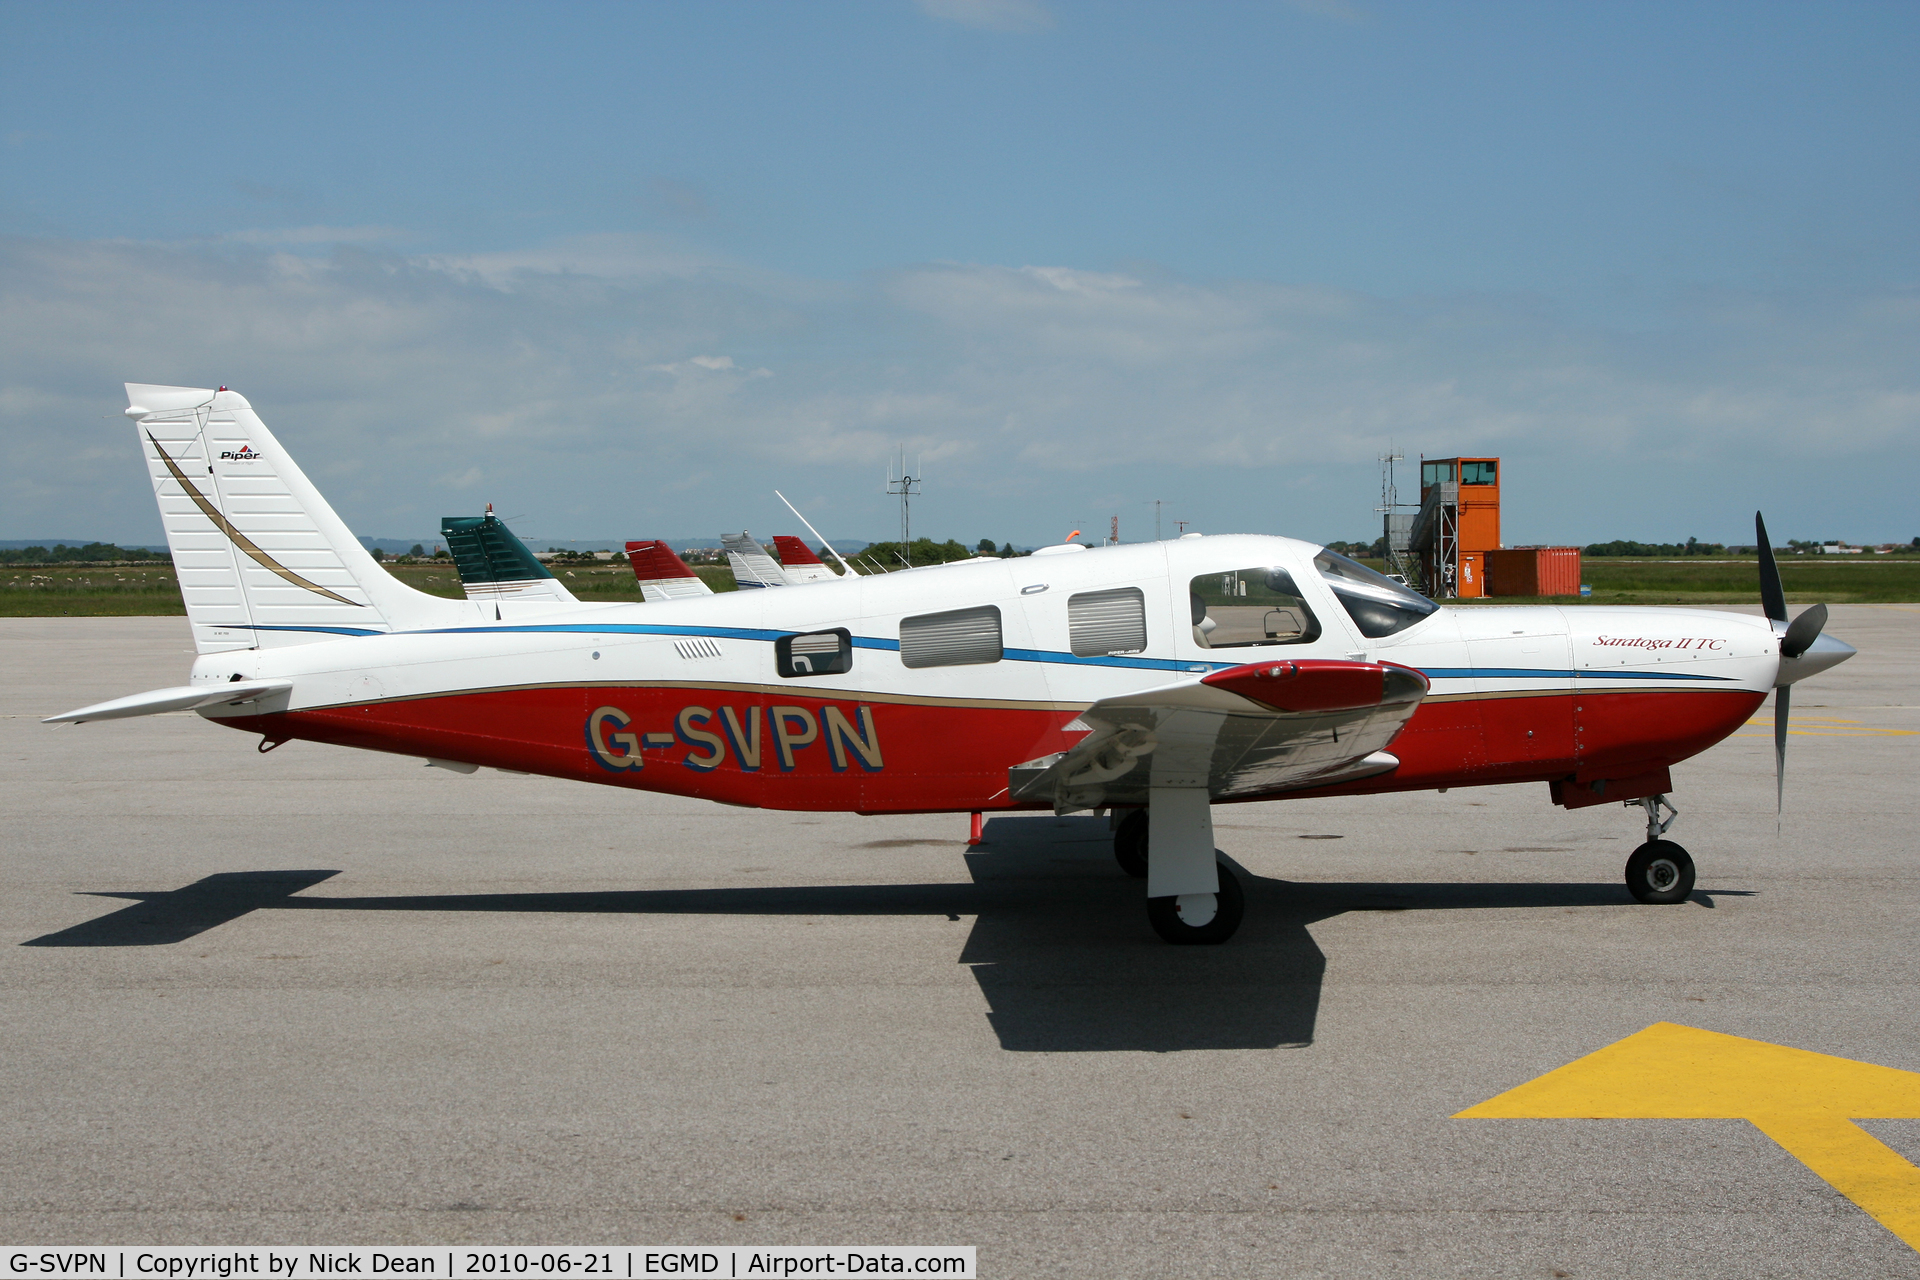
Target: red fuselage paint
x=872 y=755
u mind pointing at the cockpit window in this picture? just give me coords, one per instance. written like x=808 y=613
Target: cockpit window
x=1248 y=607
x=1378 y=605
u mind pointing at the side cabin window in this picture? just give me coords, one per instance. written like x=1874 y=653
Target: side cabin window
x=962 y=637
x=1242 y=608
x=817 y=653
x=1378 y=605
x=1100 y=623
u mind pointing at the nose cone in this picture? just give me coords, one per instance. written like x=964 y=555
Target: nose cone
x=1824 y=652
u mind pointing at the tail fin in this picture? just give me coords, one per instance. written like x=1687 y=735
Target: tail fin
x=262 y=559
x=752 y=566
x=493 y=564
x=662 y=574
x=801 y=564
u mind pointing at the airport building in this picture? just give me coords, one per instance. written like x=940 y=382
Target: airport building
x=1455 y=539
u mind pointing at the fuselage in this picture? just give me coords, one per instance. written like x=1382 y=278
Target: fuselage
x=688 y=696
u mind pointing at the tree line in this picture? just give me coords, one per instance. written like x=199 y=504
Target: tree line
x=91 y=553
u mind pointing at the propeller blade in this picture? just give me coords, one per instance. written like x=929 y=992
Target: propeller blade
x=1805 y=630
x=1772 y=598
x=1782 y=703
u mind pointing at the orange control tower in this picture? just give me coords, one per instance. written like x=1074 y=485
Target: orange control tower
x=1459 y=522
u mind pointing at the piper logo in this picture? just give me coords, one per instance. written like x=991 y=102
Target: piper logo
x=244 y=453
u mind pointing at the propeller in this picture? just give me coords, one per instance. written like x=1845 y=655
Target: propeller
x=1797 y=637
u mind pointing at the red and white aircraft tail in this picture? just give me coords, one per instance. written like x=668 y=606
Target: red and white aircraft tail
x=801 y=565
x=263 y=561
x=662 y=574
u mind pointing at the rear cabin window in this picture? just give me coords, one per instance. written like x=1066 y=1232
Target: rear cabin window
x=817 y=653
x=963 y=637
x=1100 y=623
x=1243 y=608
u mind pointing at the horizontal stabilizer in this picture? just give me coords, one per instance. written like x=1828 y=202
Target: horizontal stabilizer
x=182 y=698
x=662 y=574
x=798 y=560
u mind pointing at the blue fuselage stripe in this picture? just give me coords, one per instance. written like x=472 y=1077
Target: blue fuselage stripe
x=767 y=636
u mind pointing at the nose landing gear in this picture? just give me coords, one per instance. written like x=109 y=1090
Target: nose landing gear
x=1659 y=871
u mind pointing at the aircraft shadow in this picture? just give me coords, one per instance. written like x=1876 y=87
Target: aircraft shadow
x=1060 y=945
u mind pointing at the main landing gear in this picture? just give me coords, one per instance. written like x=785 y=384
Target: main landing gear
x=1178 y=912
x=1659 y=871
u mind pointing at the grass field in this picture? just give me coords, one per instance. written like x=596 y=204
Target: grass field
x=150 y=589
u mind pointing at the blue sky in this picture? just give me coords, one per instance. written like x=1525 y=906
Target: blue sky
x=622 y=269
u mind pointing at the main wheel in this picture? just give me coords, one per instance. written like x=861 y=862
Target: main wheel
x=1660 y=871
x=1130 y=844
x=1199 y=919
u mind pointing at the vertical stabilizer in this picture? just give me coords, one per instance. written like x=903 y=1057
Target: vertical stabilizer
x=798 y=560
x=495 y=565
x=752 y=566
x=662 y=574
x=262 y=560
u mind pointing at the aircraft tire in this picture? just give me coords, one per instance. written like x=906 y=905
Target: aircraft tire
x=1229 y=905
x=1660 y=871
x=1130 y=844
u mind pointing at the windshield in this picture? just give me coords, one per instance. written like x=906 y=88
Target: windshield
x=1378 y=605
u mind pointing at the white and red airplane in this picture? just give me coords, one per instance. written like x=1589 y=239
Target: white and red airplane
x=1151 y=680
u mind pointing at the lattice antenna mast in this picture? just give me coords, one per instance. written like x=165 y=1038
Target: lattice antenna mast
x=1389 y=497
x=1396 y=525
x=904 y=486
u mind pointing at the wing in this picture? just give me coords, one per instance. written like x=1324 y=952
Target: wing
x=1265 y=727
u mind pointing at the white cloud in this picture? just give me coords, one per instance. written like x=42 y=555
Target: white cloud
x=990 y=15
x=314 y=235
x=588 y=395
x=609 y=256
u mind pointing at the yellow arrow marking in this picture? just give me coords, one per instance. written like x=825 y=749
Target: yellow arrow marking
x=1806 y=1102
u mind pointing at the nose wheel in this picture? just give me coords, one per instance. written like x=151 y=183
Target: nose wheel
x=1659 y=871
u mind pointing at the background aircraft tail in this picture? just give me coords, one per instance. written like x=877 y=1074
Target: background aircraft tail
x=798 y=560
x=495 y=565
x=752 y=566
x=662 y=574
x=262 y=560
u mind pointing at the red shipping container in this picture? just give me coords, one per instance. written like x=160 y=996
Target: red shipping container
x=1533 y=571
